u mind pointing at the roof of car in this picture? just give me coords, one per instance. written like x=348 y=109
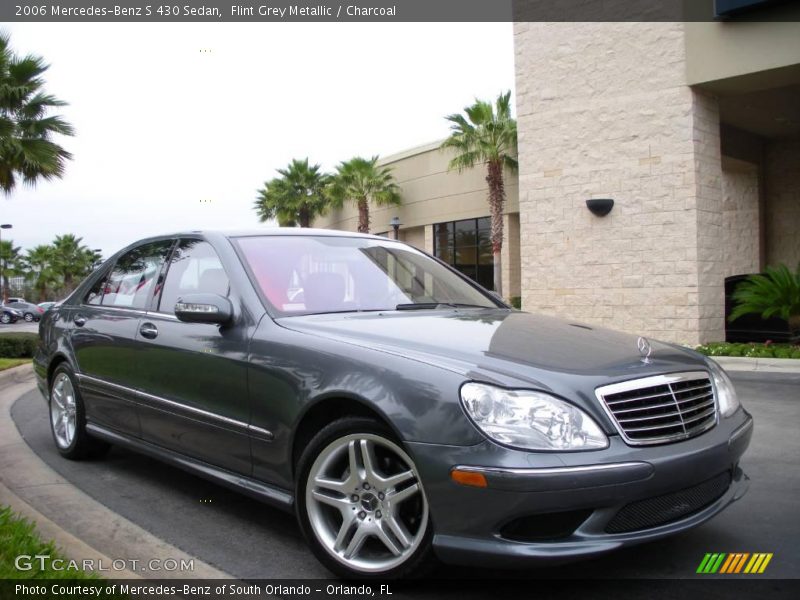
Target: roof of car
x=263 y=231
x=296 y=231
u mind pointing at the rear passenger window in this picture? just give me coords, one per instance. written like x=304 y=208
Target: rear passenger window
x=194 y=268
x=134 y=276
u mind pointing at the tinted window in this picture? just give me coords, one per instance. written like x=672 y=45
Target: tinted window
x=95 y=293
x=194 y=268
x=467 y=246
x=301 y=275
x=134 y=276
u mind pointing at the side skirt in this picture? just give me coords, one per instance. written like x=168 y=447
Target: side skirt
x=264 y=492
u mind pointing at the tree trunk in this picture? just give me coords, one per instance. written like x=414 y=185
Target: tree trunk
x=497 y=198
x=794 y=328
x=363 y=215
x=305 y=217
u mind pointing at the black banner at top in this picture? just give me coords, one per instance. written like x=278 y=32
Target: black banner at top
x=394 y=10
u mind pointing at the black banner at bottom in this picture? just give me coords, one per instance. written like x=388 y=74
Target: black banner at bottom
x=315 y=589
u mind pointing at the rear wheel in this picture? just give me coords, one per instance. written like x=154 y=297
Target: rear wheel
x=68 y=418
x=361 y=504
x=28 y=317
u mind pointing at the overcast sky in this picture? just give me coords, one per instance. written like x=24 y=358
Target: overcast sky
x=161 y=125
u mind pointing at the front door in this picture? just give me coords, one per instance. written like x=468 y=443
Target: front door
x=103 y=336
x=194 y=375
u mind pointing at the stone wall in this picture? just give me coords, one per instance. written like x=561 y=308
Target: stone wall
x=740 y=218
x=782 y=166
x=604 y=111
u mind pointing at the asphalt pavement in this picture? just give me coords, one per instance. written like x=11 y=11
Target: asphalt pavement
x=250 y=540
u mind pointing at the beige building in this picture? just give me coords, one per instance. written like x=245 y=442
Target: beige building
x=445 y=213
x=693 y=129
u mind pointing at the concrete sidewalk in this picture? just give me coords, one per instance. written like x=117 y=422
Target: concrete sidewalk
x=82 y=527
x=762 y=365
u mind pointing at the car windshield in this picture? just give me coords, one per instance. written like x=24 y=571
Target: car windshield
x=325 y=274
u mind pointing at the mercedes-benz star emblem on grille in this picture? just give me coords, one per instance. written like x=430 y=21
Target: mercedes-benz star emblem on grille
x=644 y=349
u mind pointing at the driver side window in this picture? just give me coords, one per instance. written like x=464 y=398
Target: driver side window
x=194 y=268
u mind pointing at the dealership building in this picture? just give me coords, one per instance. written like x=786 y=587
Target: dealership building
x=692 y=129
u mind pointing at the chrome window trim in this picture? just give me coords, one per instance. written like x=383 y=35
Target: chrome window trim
x=645 y=382
x=161 y=315
x=139 y=311
x=251 y=429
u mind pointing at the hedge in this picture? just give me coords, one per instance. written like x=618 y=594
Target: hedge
x=750 y=350
x=18 y=345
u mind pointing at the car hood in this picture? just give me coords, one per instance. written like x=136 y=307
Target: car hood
x=502 y=345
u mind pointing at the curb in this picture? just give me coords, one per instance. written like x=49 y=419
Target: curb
x=787 y=366
x=83 y=528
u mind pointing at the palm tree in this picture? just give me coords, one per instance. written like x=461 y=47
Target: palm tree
x=294 y=198
x=39 y=263
x=71 y=260
x=362 y=181
x=26 y=146
x=776 y=293
x=9 y=259
x=487 y=135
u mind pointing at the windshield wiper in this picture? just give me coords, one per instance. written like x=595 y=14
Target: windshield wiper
x=435 y=305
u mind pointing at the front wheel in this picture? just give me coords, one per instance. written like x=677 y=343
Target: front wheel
x=5 y=318
x=68 y=419
x=361 y=503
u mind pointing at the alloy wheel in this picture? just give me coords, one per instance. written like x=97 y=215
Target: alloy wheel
x=28 y=317
x=63 y=410
x=365 y=503
x=5 y=319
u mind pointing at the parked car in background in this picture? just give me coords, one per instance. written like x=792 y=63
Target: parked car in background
x=30 y=312
x=9 y=315
x=15 y=299
x=45 y=306
x=397 y=408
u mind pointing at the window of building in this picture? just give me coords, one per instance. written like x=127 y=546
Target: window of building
x=467 y=246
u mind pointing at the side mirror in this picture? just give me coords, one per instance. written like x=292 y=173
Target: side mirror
x=204 y=308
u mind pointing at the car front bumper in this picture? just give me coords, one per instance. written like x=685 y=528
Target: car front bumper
x=577 y=497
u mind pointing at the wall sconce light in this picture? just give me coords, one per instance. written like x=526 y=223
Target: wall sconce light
x=600 y=206
x=395 y=223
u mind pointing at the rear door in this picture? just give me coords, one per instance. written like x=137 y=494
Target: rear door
x=194 y=375
x=103 y=335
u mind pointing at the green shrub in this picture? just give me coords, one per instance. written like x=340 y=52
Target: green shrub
x=516 y=302
x=18 y=345
x=750 y=350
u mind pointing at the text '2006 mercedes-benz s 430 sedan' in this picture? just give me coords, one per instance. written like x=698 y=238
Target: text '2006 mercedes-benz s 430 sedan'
x=401 y=411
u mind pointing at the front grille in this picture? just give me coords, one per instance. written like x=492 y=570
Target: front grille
x=661 y=409
x=661 y=510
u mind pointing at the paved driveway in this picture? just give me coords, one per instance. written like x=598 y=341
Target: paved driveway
x=249 y=540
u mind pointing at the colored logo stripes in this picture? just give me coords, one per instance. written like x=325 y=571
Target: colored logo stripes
x=734 y=562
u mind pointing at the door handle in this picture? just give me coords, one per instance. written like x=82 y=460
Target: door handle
x=79 y=320
x=149 y=331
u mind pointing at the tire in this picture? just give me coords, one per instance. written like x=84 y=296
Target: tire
x=352 y=523
x=5 y=318
x=28 y=317
x=68 y=418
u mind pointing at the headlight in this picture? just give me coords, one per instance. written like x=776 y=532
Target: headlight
x=726 y=393
x=530 y=420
